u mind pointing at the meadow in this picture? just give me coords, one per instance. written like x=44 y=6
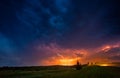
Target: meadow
x=60 y=72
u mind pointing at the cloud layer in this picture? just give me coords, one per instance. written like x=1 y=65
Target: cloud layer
x=69 y=24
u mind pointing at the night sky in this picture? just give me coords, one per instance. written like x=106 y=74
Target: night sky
x=41 y=32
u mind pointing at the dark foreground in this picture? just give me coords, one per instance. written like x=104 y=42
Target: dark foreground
x=60 y=72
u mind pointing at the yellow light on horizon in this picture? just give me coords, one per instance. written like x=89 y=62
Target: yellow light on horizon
x=104 y=64
x=67 y=62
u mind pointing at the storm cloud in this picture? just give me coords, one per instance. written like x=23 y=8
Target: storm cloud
x=69 y=24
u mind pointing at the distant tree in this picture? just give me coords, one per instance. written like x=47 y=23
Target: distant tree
x=88 y=63
x=78 y=66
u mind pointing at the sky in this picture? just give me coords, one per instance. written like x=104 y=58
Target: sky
x=53 y=32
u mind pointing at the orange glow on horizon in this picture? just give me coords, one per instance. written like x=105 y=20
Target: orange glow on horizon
x=68 y=62
x=104 y=65
x=67 y=57
x=61 y=61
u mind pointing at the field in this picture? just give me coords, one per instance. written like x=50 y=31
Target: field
x=60 y=72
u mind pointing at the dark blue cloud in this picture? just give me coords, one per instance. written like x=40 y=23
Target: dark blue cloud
x=68 y=23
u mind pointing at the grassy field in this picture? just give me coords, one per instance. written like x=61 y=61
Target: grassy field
x=61 y=72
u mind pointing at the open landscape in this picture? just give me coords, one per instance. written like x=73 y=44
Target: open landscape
x=60 y=72
x=59 y=38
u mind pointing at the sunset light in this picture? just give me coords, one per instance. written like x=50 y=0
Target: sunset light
x=104 y=64
x=59 y=38
x=67 y=62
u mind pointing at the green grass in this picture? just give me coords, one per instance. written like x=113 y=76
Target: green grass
x=64 y=72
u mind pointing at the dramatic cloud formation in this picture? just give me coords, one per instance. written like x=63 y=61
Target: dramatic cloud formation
x=36 y=32
x=107 y=53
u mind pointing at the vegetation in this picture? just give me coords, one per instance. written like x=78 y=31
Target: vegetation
x=60 y=72
x=78 y=66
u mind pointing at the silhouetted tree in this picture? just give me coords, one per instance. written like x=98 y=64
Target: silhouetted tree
x=78 y=66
